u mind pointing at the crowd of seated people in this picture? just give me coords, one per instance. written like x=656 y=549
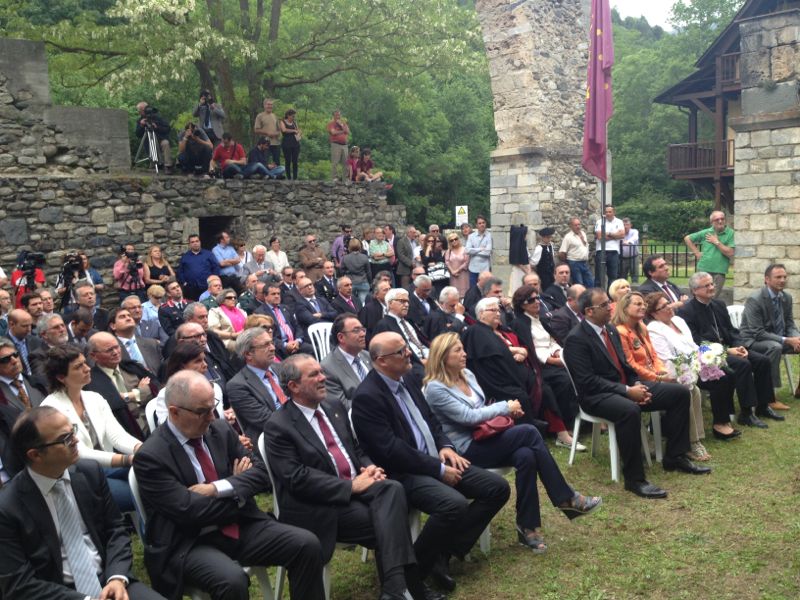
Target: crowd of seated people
x=443 y=381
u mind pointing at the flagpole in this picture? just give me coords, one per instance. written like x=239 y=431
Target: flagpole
x=603 y=284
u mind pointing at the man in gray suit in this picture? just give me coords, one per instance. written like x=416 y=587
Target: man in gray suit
x=405 y=256
x=151 y=329
x=15 y=389
x=348 y=363
x=255 y=392
x=143 y=350
x=768 y=325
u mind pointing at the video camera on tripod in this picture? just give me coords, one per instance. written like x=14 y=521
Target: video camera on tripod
x=152 y=122
x=70 y=273
x=28 y=262
x=134 y=264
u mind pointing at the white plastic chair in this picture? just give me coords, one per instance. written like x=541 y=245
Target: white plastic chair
x=260 y=572
x=320 y=334
x=735 y=312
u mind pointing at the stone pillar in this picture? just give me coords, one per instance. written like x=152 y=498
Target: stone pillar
x=767 y=167
x=537 y=54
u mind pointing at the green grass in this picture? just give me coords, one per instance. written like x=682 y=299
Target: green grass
x=731 y=534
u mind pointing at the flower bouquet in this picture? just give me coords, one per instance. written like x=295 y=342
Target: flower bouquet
x=713 y=358
x=684 y=368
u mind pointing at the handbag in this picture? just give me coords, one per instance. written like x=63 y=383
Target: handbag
x=492 y=427
x=438 y=271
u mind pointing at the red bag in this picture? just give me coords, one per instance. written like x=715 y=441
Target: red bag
x=492 y=427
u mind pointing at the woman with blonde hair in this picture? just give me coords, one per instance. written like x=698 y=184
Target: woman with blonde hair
x=617 y=289
x=459 y=403
x=156 y=267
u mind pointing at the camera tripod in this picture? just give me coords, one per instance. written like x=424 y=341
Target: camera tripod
x=152 y=149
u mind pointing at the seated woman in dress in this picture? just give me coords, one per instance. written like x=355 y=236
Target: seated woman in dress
x=671 y=338
x=100 y=436
x=460 y=404
x=227 y=320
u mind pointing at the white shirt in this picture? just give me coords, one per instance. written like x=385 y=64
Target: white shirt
x=309 y=413
x=224 y=487
x=614 y=226
x=351 y=361
x=575 y=246
x=543 y=343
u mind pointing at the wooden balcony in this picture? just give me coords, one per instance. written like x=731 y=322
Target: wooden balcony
x=729 y=73
x=700 y=160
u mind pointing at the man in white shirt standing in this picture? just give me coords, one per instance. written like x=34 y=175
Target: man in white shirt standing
x=479 y=249
x=630 y=252
x=615 y=231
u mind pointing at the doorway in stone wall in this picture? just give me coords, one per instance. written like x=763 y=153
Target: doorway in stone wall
x=211 y=227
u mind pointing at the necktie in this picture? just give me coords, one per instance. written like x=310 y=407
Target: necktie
x=22 y=348
x=359 y=367
x=119 y=381
x=342 y=466
x=780 y=324
x=613 y=353
x=276 y=389
x=428 y=445
x=668 y=292
x=80 y=560
x=210 y=475
x=133 y=351
x=284 y=327
x=427 y=307
x=315 y=304
x=22 y=394
x=416 y=346
x=350 y=302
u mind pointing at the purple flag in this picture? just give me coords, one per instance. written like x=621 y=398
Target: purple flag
x=599 y=99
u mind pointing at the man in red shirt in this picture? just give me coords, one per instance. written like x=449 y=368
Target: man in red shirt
x=229 y=158
x=338 y=132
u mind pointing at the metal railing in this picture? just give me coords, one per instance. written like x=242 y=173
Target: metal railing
x=681 y=261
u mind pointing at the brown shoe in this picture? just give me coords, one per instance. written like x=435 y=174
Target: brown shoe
x=778 y=405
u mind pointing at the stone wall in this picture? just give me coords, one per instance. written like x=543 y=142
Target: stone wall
x=767 y=169
x=57 y=214
x=537 y=53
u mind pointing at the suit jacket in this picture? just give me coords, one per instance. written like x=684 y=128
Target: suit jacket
x=384 y=432
x=291 y=321
x=370 y=314
x=471 y=299
x=175 y=515
x=150 y=353
x=702 y=320
x=557 y=295
x=170 y=317
x=288 y=295
x=442 y=322
x=8 y=416
x=100 y=319
x=152 y=330
x=304 y=311
x=592 y=368
x=341 y=306
x=389 y=323
x=562 y=322
x=30 y=563
x=326 y=289
x=103 y=385
x=342 y=381
x=758 y=318
x=251 y=401
x=416 y=311
x=405 y=256
x=223 y=360
x=650 y=286
x=306 y=481
x=34 y=394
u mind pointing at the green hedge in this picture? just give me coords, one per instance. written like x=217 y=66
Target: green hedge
x=667 y=220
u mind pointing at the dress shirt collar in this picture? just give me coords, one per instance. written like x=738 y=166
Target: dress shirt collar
x=773 y=295
x=308 y=413
x=394 y=384
x=350 y=358
x=45 y=483
x=10 y=382
x=182 y=439
x=597 y=328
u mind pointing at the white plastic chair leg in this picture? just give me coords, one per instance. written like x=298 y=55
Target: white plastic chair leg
x=280 y=581
x=613 y=450
x=655 y=419
x=486 y=540
x=326 y=581
x=575 y=430
x=787 y=363
x=645 y=445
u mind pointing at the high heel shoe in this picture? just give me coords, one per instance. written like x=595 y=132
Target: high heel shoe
x=531 y=539
x=581 y=505
x=726 y=436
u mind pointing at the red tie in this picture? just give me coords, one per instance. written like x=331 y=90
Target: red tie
x=287 y=331
x=614 y=357
x=350 y=302
x=210 y=474
x=669 y=293
x=276 y=389
x=342 y=466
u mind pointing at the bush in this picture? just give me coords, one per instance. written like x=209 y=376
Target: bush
x=667 y=220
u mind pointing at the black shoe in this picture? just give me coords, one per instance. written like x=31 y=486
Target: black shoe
x=645 y=489
x=768 y=413
x=682 y=463
x=431 y=594
x=726 y=436
x=750 y=420
x=440 y=574
x=391 y=596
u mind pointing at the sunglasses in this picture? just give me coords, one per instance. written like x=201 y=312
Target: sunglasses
x=531 y=300
x=7 y=359
x=230 y=297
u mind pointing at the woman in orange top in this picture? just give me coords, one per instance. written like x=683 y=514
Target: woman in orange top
x=639 y=351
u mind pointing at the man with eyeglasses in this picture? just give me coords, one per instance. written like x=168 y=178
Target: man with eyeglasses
x=396 y=321
x=64 y=536
x=312 y=258
x=609 y=388
x=450 y=317
x=20 y=325
x=716 y=249
x=151 y=329
x=399 y=432
x=348 y=363
x=708 y=320
x=311 y=308
x=17 y=391
x=198 y=485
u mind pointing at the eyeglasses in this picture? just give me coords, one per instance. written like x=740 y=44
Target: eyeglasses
x=400 y=300
x=259 y=346
x=356 y=330
x=7 y=359
x=663 y=307
x=230 y=297
x=531 y=300
x=717 y=220
x=399 y=352
x=312 y=241
x=452 y=239
x=602 y=305
x=65 y=440
x=200 y=412
x=195 y=336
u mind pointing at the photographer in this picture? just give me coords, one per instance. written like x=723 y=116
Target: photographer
x=150 y=119
x=74 y=269
x=129 y=274
x=28 y=275
x=194 y=151
x=211 y=116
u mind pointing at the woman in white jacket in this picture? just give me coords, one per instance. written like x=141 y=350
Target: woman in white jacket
x=99 y=432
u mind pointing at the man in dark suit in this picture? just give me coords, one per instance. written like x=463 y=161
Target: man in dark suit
x=288 y=288
x=287 y=335
x=449 y=317
x=198 y=485
x=85 y=297
x=421 y=306
x=708 y=320
x=170 y=313
x=374 y=308
x=609 y=388
x=16 y=390
x=9 y=461
x=20 y=325
x=326 y=285
x=405 y=256
x=656 y=270
x=345 y=301
x=327 y=484
x=398 y=431
x=768 y=325
x=395 y=321
x=255 y=392
x=222 y=365
x=311 y=308
x=547 y=305
x=80 y=327
x=475 y=293
x=348 y=363
x=58 y=508
x=134 y=347
x=558 y=290
x=567 y=317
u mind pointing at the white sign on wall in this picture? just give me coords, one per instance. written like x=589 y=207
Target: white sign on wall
x=462 y=215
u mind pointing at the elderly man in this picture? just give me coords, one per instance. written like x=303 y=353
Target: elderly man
x=396 y=321
x=493 y=288
x=716 y=248
x=152 y=329
x=327 y=484
x=575 y=251
x=63 y=536
x=615 y=231
x=198 y=485
x=348 y=363
x=609 y=388
x=85 y=298
x=374 y=308
x=768 y=324
x=479 y=250
x=170 y=313
x=474 y=293
x=20 y=325
x=399 y=432
x=259 y=266
x=656 y=269
x=568 y=316
x=311 y=308
x=213 y=289
x=708 y=320
x=326 y=285
x=16 y=390
x=558 y=291
x=312 y=258
x=449 y=317
x=5 y=307
x=48 y=302
x=229 y=261
x=194 y=267
x=345 y=301
x=253 y=296
x=421 y=306
x=53 y=332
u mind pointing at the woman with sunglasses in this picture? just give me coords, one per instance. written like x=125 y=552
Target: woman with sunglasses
x=433 y=261
x=457 y=261
x=460 y=404
x=227 y=320
x=100 y=436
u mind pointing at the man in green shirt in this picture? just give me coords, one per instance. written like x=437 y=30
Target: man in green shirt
x=716 y=248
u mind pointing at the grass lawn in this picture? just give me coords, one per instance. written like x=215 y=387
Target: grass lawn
x=731 y=534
